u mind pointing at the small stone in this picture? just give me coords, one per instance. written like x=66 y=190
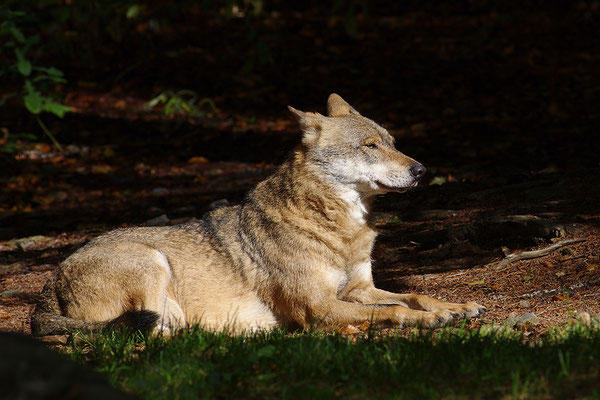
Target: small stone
x=159 y=191
x=524 y=304
x=161 y=220
x=31 y=242
x=214 y=172
x=584 y=317
x=551 y=169
x=529 y=318
x=59 y=195
x=525 y=319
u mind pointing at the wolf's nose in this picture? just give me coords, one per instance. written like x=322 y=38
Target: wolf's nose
x=417 y=171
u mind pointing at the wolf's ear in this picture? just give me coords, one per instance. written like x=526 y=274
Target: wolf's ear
x=310 y=123
x=336 y=106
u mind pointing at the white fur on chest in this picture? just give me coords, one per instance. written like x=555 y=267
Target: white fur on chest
x=362 y=272
x=358 y=210
x=340 y=278
x=337 y=278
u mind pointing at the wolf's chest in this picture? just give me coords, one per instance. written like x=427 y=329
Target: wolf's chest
x=339 y=279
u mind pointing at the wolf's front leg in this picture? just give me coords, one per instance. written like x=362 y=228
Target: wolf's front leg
x=426 y=303
x=334 y=312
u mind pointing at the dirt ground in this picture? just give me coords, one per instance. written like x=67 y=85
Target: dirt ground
x=501 y=106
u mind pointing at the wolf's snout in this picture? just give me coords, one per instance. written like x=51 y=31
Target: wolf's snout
x=417 y=171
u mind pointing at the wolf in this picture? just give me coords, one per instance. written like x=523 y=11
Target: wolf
x=296 y=253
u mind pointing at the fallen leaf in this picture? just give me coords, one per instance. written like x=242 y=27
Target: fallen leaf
x=438 y=180
x=479 y=282
x=349 y=330
x=109 y=152
x=45 y=200
x=101 y=169
x=198 y=160
x=364 y=326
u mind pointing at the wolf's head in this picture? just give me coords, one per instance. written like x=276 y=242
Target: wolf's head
x=353 y=152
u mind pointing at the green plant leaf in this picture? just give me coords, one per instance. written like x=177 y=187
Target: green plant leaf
x=33 y=102
x=23 y=65
x=9 y=148
x=161 y=98
x=29 y=86
x=266 y=352
x=51 y=71
x=55 y=108
x=17 y=34
x=52 y=78
x=31 y=41
x=11 y=14
x=133 y=11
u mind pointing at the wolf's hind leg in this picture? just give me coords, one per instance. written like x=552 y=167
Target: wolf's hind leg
x=171 y=315
x=126 y=286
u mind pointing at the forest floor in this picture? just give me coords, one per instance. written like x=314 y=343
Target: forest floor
x=502 y=118
x=441 y=240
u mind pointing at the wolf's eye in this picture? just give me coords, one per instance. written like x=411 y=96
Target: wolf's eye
x=371 y=145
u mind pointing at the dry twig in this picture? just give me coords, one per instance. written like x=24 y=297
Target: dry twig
x=524 y=255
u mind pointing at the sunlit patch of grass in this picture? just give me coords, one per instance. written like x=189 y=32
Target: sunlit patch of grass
x=451 y=363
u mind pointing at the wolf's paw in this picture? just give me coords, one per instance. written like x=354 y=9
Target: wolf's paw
x=467 y=310
x=435 y=319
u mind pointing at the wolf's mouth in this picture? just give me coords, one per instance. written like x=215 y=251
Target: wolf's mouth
x=397 y=189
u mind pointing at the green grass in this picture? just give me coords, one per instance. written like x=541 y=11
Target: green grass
x=453 y=363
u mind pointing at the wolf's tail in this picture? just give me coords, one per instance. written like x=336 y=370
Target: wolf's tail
x=47 y=318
